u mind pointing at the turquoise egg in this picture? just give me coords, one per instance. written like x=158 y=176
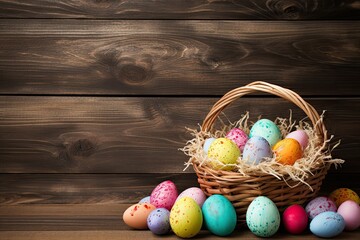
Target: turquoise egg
x=327 y=224
x=267 y=129
x=263 y=217
x=219 y=215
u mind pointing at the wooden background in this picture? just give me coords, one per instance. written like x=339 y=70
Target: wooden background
x=95 y=95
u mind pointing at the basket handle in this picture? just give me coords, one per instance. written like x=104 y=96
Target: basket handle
x=287 y=94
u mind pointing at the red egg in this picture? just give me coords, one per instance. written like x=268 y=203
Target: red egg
x=295 y=219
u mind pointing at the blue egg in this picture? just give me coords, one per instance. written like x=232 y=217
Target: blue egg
x=327 y=224
x=207 y=144
x=158 y=221
x=256 y=149
x=219 y=215
x=267 y=129
x=145 y=200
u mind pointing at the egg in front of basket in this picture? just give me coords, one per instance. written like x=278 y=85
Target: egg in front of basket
x=225 y=151
x=186 y=218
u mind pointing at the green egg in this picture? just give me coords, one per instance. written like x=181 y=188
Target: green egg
x=225 y=151
x=267 y=129
x=263 y=217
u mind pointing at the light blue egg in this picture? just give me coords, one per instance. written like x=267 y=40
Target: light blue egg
x=267 y=129
x=207 y=144
x=256 y=149
x=219 y=215
x=327 y=224
x=145 y=200
x=263 y=217
x=158 y=221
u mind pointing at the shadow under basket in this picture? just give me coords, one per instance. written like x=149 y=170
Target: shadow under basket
x=242 y=190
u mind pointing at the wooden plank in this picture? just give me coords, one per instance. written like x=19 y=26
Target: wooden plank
x=136 y=135
x=176 y=57
x=131 y=234
x=177 y=9
x=111 y=189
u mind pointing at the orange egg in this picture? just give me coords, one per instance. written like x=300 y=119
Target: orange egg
x=341 y=195
x=287 y=151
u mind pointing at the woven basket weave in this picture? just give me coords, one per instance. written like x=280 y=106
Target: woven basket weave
x=241 y=190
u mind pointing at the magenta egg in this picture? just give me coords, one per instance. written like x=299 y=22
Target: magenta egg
x=164 y=195
x=295 y=219
x=238 y=136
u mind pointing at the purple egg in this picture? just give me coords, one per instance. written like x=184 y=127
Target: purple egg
x=158 y=221
x=256 y=149
x=319 y=205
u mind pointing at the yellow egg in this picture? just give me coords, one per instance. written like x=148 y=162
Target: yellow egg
x=186 y=218
x=287 y=151
x=224 y=150
x=341 y=195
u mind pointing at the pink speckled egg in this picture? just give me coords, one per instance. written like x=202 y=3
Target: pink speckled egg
x=164 y=195
x=319 y=205
x=300 y=136
x=350 y=211
x=238 y=136
x=195 y=193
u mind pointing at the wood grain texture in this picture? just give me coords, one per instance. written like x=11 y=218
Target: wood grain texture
x=136 y=135
x=177 y=57
x=109 y=189
x=177 y=9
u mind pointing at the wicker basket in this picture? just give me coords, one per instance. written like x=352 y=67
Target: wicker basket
x=241 y=190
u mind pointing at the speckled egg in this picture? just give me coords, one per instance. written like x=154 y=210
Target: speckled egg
x=350 y=211
x=267 y=129
x=195 y=193
x=158 y=221
x=238 y=136
x=263 y=217
x=341 y=195
x=319 y=205
x=207 y=144
x=145 y=200
x=219 y=215
x=256 y=149
x=225 y=151
x=295 y=219
x=136 y=215
x=327 y=224
x=300 y=136
x=287 y=151
x=186 y=218
x=164 y=195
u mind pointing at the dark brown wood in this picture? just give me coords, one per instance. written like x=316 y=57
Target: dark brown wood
x=136 y=135
x=177 y=57
x=177 y=9
x=108 y=189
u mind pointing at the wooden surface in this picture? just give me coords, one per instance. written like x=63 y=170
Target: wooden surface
x=95 y=97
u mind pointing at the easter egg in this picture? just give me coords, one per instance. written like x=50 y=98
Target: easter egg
x=164 y=195
x=145 y=200
x=267 y=129
x=238 y=136
x=341 y=195
x=225 y=151
x=295 y=219
x=263 y=217
x=195 y=193
x=136 y=215
x=186 y=218
x=207 y=144
x=158 y=221
x=319 y=205
x=300 y=136
x=256 y=149
x=327 y=224
x=219 y=215
x=350 y=211
x=287 y=151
